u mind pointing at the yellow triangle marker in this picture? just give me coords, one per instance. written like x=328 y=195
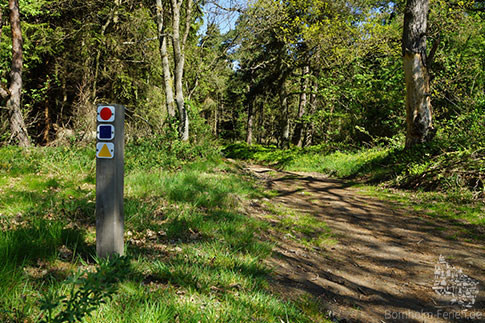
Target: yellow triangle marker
x=105 y=150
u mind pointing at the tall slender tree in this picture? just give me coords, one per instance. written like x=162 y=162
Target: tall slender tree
x=299 y=127
x=249 y=135
x=416 y=71
x=13 y=94
x=167 y=75
x=179 y=41
x=285 y=115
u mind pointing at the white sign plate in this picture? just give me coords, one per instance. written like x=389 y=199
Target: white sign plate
x=105 y=150
x=105 y=132
x=106 y=113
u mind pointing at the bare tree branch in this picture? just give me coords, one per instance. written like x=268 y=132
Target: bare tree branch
x=260 y=65
x=228 y=9
x=429 y=59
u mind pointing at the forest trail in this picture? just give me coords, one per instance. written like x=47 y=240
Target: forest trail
x=381 y=268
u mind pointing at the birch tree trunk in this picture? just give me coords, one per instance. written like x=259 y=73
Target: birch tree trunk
x=17 y=124
x=298 y=134
x=310 y=127
x=418 y=101
x=167 y=76
x=249 y=137
x=179 y=61
x=285 y=135
x=216 y=119
x=260 y=123
x=250 y=103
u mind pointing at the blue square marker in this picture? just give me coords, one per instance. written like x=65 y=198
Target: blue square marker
x=106 y=132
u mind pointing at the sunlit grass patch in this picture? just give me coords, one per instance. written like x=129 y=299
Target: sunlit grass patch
x=227 y=273
x=195 y=186
x=46 y=182
x=313 y=159
x=194 y=254
x=163 y=305
x=338 y=163
x=304 y=228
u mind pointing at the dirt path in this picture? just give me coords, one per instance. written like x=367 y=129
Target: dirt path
x=382 y=267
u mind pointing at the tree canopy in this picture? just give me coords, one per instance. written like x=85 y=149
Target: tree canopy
x=288 y=72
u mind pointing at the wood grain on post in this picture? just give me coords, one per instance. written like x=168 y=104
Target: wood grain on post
x=109 y=192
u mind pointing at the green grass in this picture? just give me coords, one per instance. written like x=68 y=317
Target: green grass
x=194 y=255
x=306 y=229
x=338 y=163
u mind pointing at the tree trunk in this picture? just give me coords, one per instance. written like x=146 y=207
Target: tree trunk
x=179 y=60
x=167 y=76
x=249 y=137
x=17 y=124
x=298 y=134
x=310 y=128
x=260 y=123
x=4 y=94
x=47 y=116
x=216 y=119
x=285 y=135
x=418 y=101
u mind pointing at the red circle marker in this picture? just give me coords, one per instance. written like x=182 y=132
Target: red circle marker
x=105 y=113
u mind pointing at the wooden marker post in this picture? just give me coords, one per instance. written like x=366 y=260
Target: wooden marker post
x=110 y=180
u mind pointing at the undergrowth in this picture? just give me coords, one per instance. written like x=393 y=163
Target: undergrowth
x=431 y=167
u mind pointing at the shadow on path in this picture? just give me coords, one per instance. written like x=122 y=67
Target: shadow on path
x=382 y=267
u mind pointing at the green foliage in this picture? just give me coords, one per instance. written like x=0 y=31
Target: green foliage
x=88 y=290
x=81 y=52
x=358 y=94
x=167 y=152
x=457 y=71
x=465 y=131
x=355 y=69
x=63 y=159
x=197 y=256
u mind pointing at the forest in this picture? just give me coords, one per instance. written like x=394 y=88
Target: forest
x=233 y=107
